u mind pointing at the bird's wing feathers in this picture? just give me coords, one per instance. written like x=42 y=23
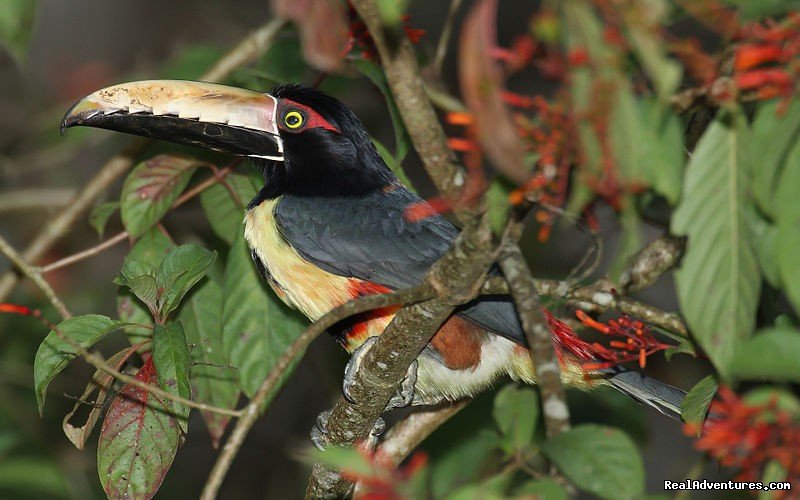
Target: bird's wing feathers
x=370 y=238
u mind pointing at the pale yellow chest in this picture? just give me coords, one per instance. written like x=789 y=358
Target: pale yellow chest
x=300 y=284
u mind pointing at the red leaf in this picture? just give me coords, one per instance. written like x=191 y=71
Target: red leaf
x=481 y=80
x=138 y=441
x=323 y=29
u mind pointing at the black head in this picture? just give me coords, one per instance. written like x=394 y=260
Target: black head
x=327 y=151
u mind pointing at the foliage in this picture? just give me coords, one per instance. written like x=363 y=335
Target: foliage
x=616 y=127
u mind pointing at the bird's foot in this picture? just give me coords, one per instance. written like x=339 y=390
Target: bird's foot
x=405 y=393
x=321 y=438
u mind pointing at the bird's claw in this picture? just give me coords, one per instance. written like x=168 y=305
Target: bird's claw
x=405 y=393
x=319 y=433
x=321 y=438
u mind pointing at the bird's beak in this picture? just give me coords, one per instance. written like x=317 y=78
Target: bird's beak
x=207 y=115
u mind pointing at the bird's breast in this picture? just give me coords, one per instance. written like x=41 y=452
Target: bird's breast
x=296 y=281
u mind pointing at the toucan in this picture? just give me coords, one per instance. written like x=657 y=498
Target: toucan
x=330 y=225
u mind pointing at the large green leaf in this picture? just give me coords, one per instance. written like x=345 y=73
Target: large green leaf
x=151 y=189
x=773 y=354
x=545 y=489
x=224 y=213
x=171 y=357
x=718 y=283
x=55 y=353
x=787 y=242
x=695 y=405
x=257 y=328
x=601 y=460
x=16 y=25
x=180 y=270
x=774 y=136
x=138 y=441
x=516 y=410
x=212 y=381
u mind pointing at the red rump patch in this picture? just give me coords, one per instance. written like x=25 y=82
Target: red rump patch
x=312 y=118
x=358 y=288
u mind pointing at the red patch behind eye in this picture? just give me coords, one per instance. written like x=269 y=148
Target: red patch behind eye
x=313 y=119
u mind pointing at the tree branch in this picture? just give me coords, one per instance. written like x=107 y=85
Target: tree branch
x=539 y=337
x=251 y=411
x=408 y=89
x=35 y=276
x=26 y=199
x=247 y=50
x=454 y=277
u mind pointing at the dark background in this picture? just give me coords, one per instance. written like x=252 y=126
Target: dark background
x=81 y=45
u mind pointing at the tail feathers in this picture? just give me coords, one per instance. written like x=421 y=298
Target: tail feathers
x=649 y=391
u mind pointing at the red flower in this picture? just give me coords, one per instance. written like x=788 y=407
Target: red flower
x=747 y=437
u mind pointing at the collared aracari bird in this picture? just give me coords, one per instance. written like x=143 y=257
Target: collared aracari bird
x=329 y=226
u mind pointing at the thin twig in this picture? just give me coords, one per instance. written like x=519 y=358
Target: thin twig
x=27 y=199
x=444 y=37
x=218 y=178
x=34 y=276
x=406 y=435
x=254 y=44
x=85 y=254
x=251 y=411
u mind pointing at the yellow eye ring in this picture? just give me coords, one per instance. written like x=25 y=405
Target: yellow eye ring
x=293 y=120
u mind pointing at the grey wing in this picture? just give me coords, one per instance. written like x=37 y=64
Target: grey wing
x=369 y=238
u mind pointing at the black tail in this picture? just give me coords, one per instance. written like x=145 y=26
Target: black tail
x=663 y=397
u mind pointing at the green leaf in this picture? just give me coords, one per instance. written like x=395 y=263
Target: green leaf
x=463 y=461
x=212 y=381
x=393 y=165
x=392 y=11
x=773 y=473
x=55 y=353
x=546 y=488
x=498 y=203
x=150 y=248
x=718 y=283
x=257 y=328
x=100 y=214
x=765 y=242
x=665 y=157
x=402 y=142
x=171 y=357
x=774 y=136
x=643 y=20
x=223 y=212
x=180 y=270
x=630 y=240
x=695 y=404
x=151 y=189
x=516 y=410
x=16 y=25
x=138 y=441
x=748 y=9
x=787 y=241
x=347 y=459
x=144 y=286
x=598 y=459
x=780 y=346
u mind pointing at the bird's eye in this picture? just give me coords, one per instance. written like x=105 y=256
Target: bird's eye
x=293 y=119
